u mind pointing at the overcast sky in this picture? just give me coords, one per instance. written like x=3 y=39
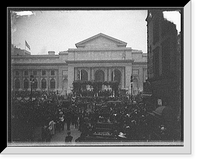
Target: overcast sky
x=59 y=30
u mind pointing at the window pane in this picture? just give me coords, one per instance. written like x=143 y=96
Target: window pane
x=26 y=73
x=26 y=84
x=52 y=72
x=43 y=72
x=116 y=76
x=43 y=85
x=35 y=84
x=52 y=84
x=84 y=75
x=17 y=84
x=99 y=75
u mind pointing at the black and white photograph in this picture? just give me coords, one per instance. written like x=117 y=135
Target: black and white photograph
x=97 y=77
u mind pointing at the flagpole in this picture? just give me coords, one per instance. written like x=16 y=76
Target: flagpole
x=25 y=47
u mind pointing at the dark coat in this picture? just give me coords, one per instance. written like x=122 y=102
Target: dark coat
x=68 y=138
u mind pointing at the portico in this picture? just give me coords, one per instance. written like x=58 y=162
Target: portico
x=104 y=58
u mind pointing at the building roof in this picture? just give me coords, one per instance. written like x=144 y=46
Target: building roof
x=118 y=42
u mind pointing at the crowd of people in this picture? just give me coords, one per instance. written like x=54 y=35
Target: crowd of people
x=29 y=113
x=97 y=118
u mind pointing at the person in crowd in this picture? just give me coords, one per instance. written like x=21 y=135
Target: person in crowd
x=52 y=127
x=62 y=121
x=75 y=118
x=68 y=138
x=46 y=136
x=68 y=119
x=170 y=121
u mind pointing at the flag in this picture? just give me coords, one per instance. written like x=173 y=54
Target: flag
x=27 y=45
x=78 y=75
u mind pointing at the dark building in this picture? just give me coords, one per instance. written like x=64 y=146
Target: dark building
x=164 y=61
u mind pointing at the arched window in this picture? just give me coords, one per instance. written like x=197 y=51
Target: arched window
x=43 y=84
x=17 y=83
x=26 y=83
x=116 y=76
x=35 y=84
x=99 y=75
x=84 y=75
x=52 y=84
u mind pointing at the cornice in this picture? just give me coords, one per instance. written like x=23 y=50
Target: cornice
x=99 y=49
x=78 y=62
x=103 y=61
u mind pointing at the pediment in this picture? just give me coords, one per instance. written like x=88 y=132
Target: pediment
x=100 y=41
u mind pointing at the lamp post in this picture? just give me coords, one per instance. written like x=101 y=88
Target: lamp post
x=131 y=88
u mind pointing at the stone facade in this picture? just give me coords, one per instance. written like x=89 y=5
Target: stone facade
x=164 y=60
x=99 y=57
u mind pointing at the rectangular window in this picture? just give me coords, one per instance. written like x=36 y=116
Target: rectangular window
x=52 y=72
x=25 y=73
x=43 y=72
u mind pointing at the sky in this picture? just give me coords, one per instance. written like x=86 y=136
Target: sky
x=59 y=30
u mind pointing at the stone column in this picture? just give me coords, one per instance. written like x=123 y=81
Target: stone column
x=47 y=79
x=88 y=74
x=57 y=80
x=140 y=78
x=128 y=72
x=75 y=73
x=122 y=77
x=109 y=74
x=60 y=79
x=92 y=74
x=70 y=78
x=105 y=74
